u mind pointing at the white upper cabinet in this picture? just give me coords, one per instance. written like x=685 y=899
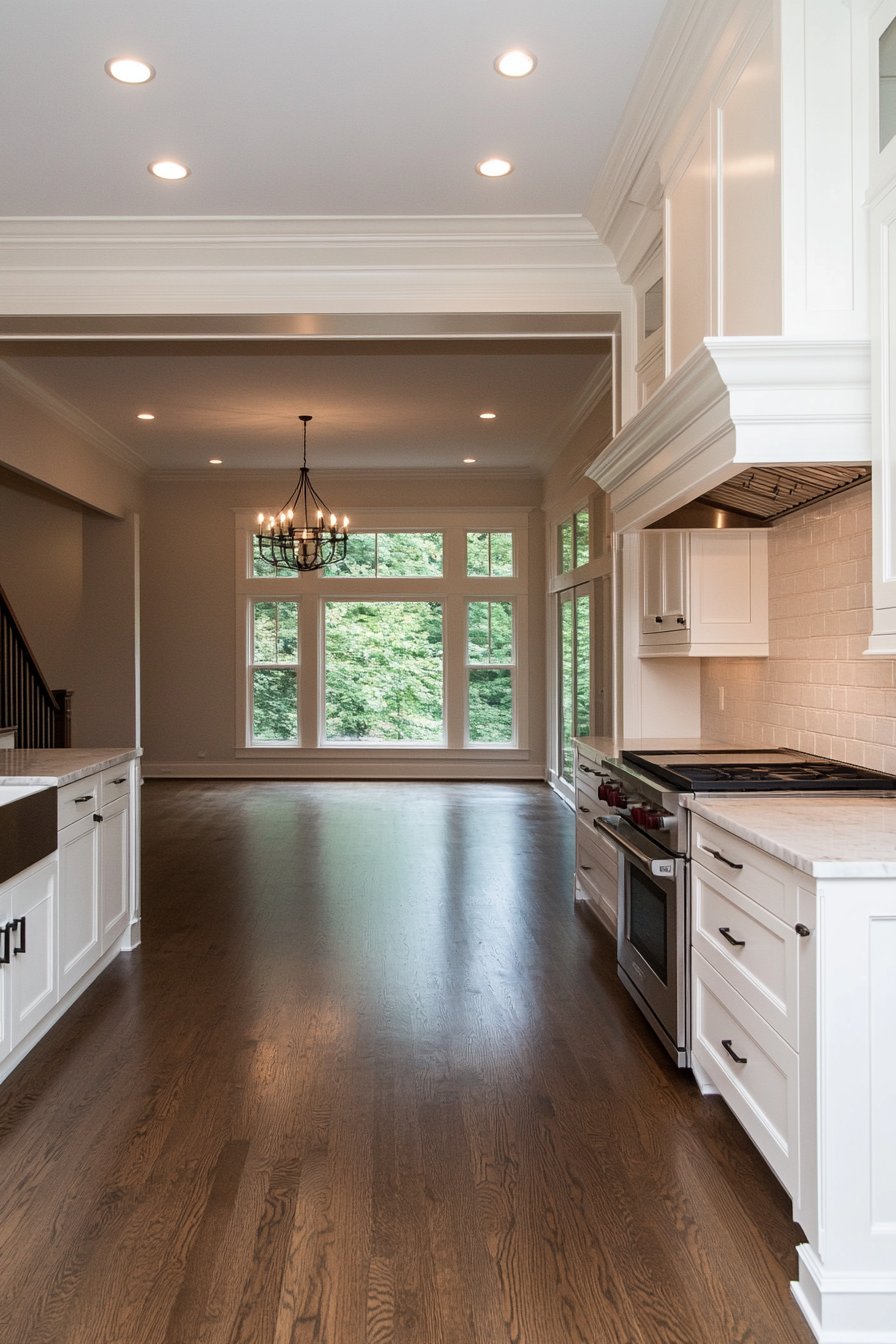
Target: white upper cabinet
x=704 y=593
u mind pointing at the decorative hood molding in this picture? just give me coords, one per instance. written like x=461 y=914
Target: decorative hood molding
x=738 y=402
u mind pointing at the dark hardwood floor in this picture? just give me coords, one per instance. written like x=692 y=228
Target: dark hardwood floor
x=371 y=1079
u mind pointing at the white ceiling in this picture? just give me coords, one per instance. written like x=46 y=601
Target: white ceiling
x=340 y=108
x=349 y=109
x=399 y=404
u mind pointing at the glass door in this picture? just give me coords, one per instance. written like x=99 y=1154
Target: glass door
x=576 y=696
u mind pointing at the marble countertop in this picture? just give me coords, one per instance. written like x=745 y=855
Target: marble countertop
x=821 y=835
x=59 y=765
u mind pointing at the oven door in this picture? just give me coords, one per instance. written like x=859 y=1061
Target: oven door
x=651 y=932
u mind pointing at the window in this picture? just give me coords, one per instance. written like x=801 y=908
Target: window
x=383 y=676
x=490 y=554
x=575 y=672
x=274 y=669
x=389 y=555
x=490 y=671
x=413 y=646
x=573 y=547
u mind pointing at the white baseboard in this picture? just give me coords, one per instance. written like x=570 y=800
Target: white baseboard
x=407 y=769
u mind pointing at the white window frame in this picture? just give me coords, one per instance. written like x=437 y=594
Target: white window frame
x=252 y=666
x=453 y=588
x=493 y=667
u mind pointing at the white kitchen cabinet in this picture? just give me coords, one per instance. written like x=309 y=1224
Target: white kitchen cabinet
x=597 y=865
x=80 y=942
x=704 y=593
x=115 y=855
x=28 y=987
x=793 y=1024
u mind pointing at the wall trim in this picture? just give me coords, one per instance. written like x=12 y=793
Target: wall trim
x=521 y=771
x=226 y=265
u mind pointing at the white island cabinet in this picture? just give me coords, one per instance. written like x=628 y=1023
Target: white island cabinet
x=82 y=903
x=794 y=1022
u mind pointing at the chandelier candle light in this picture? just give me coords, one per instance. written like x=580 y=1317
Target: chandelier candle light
x=292 y=540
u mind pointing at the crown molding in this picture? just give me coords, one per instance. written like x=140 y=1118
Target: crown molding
x=692 y=39
x=487 y=263
x=595 y=389
x=271 y=475
x=62 y=411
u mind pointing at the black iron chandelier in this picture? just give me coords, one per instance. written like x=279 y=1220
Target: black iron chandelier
x=299 y=538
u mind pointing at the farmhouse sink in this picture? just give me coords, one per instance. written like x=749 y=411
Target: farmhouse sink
x=27 y=826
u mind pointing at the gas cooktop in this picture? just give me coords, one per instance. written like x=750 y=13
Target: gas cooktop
x=762 y=770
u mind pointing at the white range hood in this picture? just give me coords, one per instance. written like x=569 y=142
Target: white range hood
x=738 y=402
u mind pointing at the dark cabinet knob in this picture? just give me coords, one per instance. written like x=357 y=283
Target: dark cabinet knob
x=802 y=930
x=97 y=816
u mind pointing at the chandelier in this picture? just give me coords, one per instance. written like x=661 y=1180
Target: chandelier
x=298 y=538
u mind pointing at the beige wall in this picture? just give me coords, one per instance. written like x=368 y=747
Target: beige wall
x=816 y=692
x=36 y=444
x=70 y=576
x=188 y=595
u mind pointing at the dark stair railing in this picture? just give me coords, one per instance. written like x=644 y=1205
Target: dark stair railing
x=42 y=718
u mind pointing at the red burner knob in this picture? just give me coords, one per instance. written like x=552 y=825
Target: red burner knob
x=638 y=814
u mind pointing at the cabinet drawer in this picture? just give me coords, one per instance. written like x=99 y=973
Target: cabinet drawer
x=763 y=1090
x=597 y=874
x=115 y=783
x=761 y=964
x=81 y=799
x=745 y=867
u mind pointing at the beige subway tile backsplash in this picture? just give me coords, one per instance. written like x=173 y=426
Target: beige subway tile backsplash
x=817 y=692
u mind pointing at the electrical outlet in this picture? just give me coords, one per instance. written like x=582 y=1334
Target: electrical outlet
x=721 y=697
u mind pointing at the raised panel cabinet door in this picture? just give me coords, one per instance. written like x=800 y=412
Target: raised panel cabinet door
x=675 y=577
x=79 y=925
x=33 y=977
x=652 y=587
x=114 y=871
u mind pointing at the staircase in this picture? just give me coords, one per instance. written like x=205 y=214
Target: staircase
x=41 y=717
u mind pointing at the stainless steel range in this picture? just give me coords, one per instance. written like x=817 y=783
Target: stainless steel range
x=648 y=825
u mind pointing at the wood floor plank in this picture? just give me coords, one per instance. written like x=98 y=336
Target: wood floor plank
x=371 y=1080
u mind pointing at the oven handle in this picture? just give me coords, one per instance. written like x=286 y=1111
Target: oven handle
x=647 y=859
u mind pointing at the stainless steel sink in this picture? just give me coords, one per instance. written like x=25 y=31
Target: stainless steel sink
x=27 y=826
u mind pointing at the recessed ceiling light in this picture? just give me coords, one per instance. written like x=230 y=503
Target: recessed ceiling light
x=515 y=64
x=494 y=167
x=487 y=415
x=215 y=461
x=469 y=459
x=145 y=415
x=129 y=71
x=168 y=169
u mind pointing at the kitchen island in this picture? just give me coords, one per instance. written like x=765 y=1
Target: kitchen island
x=67 y=915
x=794 y=1022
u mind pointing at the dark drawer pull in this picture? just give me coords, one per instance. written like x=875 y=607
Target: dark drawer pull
x=123 y=780
x=97 y=816
x=585 y=867
x=584 y=809
x=736 y=1058
x=735 y=942
x=802 y=930
x=20 y=925
x=4 y=936
x=721 y=857
x=88 y=798
x=658 y=619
